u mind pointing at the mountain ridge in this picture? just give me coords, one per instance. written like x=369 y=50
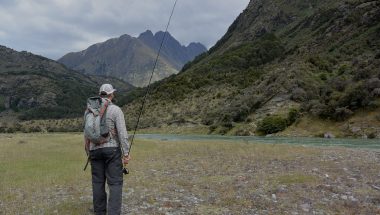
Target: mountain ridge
x=131 y=58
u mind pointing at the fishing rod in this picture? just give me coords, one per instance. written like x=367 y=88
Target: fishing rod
x=125 y=169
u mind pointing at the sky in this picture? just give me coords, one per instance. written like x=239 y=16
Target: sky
x=52 y=28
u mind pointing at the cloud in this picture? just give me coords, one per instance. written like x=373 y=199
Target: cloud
x=53 y=28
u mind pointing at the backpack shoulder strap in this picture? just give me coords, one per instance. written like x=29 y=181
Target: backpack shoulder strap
x=103 y=107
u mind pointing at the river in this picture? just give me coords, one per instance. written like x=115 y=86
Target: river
x=307 y=141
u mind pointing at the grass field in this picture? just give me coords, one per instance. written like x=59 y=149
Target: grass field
x=42 y=174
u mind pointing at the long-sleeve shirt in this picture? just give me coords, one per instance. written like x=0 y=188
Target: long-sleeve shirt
x=118 y=131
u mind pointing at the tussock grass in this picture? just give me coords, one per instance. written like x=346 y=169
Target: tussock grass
x=43 y=175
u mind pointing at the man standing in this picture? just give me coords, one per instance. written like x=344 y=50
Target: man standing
x=106 y=158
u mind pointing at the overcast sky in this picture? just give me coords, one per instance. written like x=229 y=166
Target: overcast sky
x=53 y=28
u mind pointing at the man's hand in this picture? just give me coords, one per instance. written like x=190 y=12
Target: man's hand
x=126 y=159
x=87 y=145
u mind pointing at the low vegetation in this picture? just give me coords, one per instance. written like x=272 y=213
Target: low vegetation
x=190 y=177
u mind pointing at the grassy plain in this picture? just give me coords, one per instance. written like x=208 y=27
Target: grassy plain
x=42 y=174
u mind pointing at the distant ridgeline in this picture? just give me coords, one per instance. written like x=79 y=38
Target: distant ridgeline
x=131 y=59
x=34 y=87
x=279 y=60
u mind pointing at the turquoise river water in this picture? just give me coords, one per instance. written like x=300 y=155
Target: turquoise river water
x=307 y=141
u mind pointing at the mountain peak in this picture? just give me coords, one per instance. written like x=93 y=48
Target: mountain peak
x=134 y=55
x=147 y=33
x=158 y=33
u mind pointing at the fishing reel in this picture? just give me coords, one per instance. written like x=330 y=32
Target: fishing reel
x=125 y=171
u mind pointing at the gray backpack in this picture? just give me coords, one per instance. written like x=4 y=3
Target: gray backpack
x=95 y=126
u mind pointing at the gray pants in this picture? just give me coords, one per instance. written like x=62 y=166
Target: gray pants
x=106 y=165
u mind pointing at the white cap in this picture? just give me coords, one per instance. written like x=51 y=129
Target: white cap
x=106 y=88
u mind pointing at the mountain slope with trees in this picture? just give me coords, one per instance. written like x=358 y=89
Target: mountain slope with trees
x=279 y=61
x=34 y=87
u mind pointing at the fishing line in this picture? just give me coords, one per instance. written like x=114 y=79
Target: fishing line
x=150 y=80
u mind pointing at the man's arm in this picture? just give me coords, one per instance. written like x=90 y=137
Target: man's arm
x=87 y=145
x=122 y=132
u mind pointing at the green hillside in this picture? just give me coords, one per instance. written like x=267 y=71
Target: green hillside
x=34 y=87
x=279 y=61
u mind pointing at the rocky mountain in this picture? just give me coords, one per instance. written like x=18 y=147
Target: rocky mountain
x=34 y=87
x=279 y=63
x=131 y=59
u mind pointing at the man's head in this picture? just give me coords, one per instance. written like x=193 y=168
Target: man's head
x=107 y=90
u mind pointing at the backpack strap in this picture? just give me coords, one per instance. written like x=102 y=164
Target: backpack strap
x=104 y=108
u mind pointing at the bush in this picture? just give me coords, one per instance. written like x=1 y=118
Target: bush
x=4 y=129
x=240 y=113
x=293 y=115
x=35 y=129
x=212 y=128
x=224 y=130
x=242 y=132
x=323 y=76
x=272 y=124
x=298 y=95
x=372 y=135
x=341 y=114
x=377 y=117
x=11 y=130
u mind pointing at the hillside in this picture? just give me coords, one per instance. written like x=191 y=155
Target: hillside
x=131 y=59
x=278 y=62
x=34 y=87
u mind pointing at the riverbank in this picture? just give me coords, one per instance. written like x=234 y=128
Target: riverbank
x=44 y=171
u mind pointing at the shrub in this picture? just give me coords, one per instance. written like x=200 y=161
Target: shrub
x=293 y=115
x=320 y=63
x=372 y=135
x=224 y=130
x=240 y=113
x=342 y=69
x=377 y=117
x=11 y=130
x=4 y=129
x=242 y=132
x=323 y=76
x=272 y=124
x=228 y=125
x=35 y=129
x=298 y=95
x=207 y=121
x=341 y=114
x=212 y=128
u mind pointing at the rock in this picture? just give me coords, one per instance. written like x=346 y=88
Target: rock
x=329 y=135
x=355 y=129
x=306 y=207
x=352 y=198
x=344 y=197
x=274 y=197
x=376 y=92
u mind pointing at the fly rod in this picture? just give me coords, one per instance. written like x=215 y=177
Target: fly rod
x=125 y=169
